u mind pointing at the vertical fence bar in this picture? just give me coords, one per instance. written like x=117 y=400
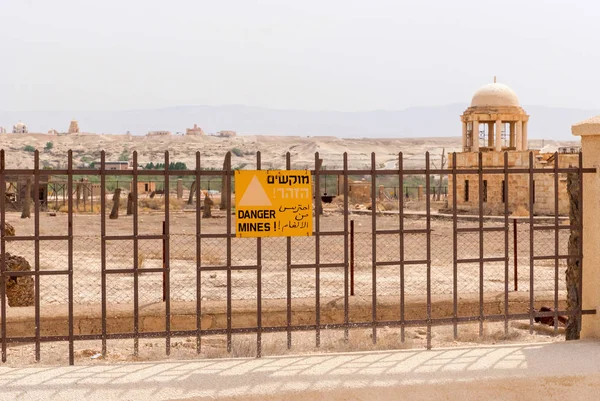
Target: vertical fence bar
x=103 y=245
x=506 y=253
x=580 y=251
x=351 y=257
x=346 y=300
x=136 y=260
x=428 y=248
x=288 y=241
x=515 y=248
x=198 y=256
x=556 y=250
x=480 y=199
x=401 y=243
x=70 y=246
x=36 y=190
x=228 y=222
x=3 y=257
x=164 y=260
x=531 y=243
x=167 y=271
x=258 y=281
x=454 y=250
x=373 y=248
x=318 y=162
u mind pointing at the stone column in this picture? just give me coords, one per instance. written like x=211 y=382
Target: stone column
x=420 y=192
x=475 y=137
x=464 y=136
x=498 y=142
x=519 y=138
x=589 y=131
x=513 y=139
x=490 y=125
x=524 y=136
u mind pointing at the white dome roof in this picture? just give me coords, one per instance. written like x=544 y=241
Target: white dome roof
x=494 y=94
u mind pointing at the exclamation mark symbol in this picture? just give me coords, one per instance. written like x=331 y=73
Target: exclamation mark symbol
x=275 y=226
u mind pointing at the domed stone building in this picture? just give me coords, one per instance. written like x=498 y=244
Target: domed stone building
x=493 y=124
x=20 y=128
x=494 y=121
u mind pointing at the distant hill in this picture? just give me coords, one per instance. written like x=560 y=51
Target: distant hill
x=414 y=122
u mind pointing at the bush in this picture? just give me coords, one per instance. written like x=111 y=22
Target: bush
x=49 y=146
x=29 y=148
x=238 y=152
x=124 y=156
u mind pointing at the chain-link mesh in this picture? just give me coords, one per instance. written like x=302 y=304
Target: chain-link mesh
x=303 y=251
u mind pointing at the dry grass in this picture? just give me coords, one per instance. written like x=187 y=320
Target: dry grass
x=244 y=346
x=150 y=204
x=387 y=205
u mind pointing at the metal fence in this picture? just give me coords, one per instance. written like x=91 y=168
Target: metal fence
x=169 y=255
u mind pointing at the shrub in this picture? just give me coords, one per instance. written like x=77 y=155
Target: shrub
x=49 y=146
x=29 y=148
x=237 y=151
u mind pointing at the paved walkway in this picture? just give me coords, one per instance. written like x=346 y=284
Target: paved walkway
x=509 y=372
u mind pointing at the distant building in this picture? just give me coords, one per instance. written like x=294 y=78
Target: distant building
x=53 y=132
x=115 y=165
x=2 y=130
x=226 y=134
x=159 y=133
x=73 y=127
x=144 y=187
x=20 y=128
x=194 y=131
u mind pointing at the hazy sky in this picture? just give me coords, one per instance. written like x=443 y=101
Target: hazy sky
x=348 y=55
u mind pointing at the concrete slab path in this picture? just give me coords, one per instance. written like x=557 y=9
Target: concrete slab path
x=555 y=371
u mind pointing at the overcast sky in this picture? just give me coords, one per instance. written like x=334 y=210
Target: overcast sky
x=347 y=55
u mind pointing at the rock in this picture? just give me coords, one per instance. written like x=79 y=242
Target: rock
x=19 y=289
x=9 y=230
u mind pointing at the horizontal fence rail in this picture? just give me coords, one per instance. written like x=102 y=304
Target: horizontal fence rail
x=377 y=255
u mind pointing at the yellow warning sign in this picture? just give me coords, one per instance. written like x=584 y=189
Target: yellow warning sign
x=273 y=203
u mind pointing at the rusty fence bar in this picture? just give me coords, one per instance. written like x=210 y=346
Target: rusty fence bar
x=515 y=252
x=401 y=246
x=198 y=256
x=346 y=260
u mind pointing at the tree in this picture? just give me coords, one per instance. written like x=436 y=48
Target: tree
x=124 y=156
x=573 y=273
x=191 y=197
x=26 y=211
x=114 y=214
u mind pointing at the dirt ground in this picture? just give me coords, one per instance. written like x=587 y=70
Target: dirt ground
x=89 y=352
x=120 y=287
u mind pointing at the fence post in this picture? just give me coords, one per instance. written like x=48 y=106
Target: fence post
x=589 y=267
x=164 y=262
x=515 y=252
x=352 y=257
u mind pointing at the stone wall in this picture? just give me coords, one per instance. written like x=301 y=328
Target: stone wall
x=518 y=184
